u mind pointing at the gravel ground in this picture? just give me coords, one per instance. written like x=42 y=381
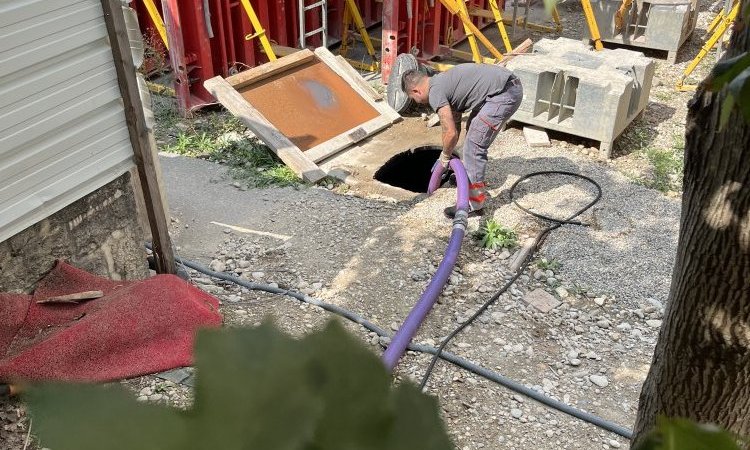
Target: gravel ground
x=375 y=256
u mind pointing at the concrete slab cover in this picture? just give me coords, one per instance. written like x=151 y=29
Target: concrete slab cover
x=536 y=137
x=310 y=104
x=542 y=300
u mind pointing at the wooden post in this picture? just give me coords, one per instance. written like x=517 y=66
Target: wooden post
x=140 y=137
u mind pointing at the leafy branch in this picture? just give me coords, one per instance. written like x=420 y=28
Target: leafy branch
x=683 y=434
x=256 y=389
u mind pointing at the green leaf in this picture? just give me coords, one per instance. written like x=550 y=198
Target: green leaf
x=726 y=70
x=357 y=409
x=418 y=424
x=77 y=417
x=250 y=388
x=255 y=389
x=683 y=434
x=739 y=88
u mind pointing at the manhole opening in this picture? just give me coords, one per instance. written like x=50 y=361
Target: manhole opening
x=410 y=170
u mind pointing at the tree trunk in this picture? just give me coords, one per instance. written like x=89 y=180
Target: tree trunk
x=701 y=365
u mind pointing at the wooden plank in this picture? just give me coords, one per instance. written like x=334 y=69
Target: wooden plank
x=141 y=139
x=281 y=50
x=522 y=48
x=258 y=124
x=270 y=69
x=78 y=297
x=382 y=107
x=467 y=55
x=140 y=203
x=479 y=12
x=352 y=72
x=351 y=137
x=303 y=163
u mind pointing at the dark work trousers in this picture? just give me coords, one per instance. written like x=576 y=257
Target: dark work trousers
x=482 y=128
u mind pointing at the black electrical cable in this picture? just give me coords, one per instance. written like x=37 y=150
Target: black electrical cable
x=448 y=356
x=556 y=223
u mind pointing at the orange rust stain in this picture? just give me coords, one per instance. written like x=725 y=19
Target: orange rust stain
x=309 y=104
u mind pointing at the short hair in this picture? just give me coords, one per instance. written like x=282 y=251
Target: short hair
x=411 y=78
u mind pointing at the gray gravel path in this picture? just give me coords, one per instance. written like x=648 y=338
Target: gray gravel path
x=628 y=249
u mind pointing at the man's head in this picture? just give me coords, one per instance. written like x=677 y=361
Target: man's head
x=416 y=84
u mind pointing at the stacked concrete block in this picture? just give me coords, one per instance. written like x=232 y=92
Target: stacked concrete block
x=655 y=24
x=570 y=88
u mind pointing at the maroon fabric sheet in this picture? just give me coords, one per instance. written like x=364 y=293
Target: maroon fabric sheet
x=138 y=327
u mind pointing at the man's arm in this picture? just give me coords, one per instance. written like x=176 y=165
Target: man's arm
x=450 y=133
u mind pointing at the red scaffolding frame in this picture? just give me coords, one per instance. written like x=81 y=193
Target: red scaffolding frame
x=207 y=37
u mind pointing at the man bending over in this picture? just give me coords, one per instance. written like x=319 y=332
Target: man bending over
x=491 y=93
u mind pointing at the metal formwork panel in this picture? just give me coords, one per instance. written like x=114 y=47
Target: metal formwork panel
x=572 y=89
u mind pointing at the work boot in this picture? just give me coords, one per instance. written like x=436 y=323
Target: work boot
x=477 y=197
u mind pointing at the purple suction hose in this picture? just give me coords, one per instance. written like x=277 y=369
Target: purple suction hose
x=417 y=315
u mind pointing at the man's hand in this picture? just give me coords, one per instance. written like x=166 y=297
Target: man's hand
x=444 y=159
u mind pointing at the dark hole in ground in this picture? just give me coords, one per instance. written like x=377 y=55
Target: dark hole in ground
x=410 y=170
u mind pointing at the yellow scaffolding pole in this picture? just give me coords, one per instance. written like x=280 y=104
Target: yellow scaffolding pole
x=259 y=31
x=498 y=17
x=153 y=12
x=476 y=54
x=593 y=27
x=719 y=28
x=453 y=8
x=351 y=14
x=495 y=14
x=714 y=23
x=620 y=14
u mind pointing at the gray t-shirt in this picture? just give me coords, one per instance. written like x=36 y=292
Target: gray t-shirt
x=466 y=86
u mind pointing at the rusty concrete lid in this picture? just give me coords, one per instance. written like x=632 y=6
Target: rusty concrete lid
x=396 y=97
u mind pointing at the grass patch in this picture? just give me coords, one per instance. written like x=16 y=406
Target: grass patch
x=667 y=169
x=493 y=235
x=665 y=96
x=221 y=138
x=250 y=162
x=253 y=164
x=665 y=166
x=548 y=264
x=192 y=144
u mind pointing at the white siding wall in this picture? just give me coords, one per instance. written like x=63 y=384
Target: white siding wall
x=62 y=126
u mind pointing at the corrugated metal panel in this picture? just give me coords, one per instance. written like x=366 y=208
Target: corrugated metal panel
x=62 y=126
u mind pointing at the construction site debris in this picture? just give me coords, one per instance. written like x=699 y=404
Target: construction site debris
x=73 y=298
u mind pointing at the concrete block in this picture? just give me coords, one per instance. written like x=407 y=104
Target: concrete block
x=655 y=24
x=542 y=300
x=570 y=88
x=433 y=120
x=536 y=137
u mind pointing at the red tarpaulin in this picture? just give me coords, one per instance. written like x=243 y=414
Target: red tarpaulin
x=136 y=328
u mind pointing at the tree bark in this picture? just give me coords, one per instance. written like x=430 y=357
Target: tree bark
x=701 y=365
